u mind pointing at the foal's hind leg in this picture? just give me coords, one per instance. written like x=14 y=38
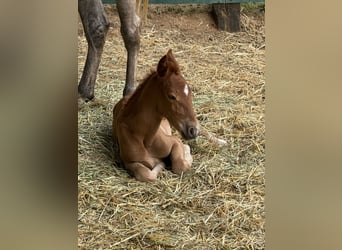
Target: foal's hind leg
x=95 y=25
x=143 y=173
x=130 y=31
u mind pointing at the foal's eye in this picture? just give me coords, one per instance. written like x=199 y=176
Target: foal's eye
x=171 y=97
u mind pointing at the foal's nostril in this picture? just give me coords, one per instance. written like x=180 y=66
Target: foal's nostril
x=193 y=131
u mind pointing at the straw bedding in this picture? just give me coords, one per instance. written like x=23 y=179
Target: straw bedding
x=219 y=203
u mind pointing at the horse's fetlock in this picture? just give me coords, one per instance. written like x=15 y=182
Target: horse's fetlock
x=86 y=92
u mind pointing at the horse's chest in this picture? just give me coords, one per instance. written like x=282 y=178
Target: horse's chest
x=159 y=148
x=161 y=145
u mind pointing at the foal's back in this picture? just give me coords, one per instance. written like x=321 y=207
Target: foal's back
x=116 y=113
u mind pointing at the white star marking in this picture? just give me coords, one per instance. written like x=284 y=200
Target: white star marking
x=186 y=90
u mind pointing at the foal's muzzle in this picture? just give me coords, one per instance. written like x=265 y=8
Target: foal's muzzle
x=190 y=132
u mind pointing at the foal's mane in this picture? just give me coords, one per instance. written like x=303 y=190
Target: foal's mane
x=144 y=81
x=141 y=86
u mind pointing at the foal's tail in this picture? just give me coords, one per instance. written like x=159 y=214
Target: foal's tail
x=210 y=137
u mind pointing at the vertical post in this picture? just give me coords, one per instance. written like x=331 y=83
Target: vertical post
x=143 y=16
x=145 y=9
x=138 y=6
x=227 y=16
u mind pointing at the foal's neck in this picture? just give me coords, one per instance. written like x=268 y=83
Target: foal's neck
x=142 y=106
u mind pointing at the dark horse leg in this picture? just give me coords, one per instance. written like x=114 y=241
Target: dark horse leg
x=130 y=31
x=95 y=25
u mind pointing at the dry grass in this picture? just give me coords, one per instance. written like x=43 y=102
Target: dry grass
x=219 y=204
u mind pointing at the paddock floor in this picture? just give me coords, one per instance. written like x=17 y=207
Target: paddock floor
x=219 y=203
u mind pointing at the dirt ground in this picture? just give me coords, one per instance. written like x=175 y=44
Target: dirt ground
x=219 y=203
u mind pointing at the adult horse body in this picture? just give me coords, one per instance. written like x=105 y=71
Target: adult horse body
x=141 y=123
x=96 y=25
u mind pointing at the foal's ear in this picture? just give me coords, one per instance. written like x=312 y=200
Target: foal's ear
x=162 y=66
x=170 y=55
x=167 y=62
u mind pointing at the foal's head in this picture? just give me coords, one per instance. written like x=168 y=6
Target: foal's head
x=176 y=101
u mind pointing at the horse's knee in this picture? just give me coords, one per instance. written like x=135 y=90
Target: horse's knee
x=95 y=22
x=130 y=23
x=98 y=31
x=181 y=165
x=131 y=33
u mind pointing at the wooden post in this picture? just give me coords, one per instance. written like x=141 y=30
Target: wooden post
x=227 y=16
x=144 y=8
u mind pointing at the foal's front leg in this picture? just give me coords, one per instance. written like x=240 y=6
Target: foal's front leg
x=143 y=173
x=180 y=157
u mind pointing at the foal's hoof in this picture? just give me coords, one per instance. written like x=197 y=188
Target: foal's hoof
x=187 y=154
x=147 y=177
x=179 y=169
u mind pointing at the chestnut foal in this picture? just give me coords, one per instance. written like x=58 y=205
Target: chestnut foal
x=141 y=123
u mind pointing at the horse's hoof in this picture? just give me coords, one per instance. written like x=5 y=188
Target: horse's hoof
x=91 y=103
x=81 y=103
